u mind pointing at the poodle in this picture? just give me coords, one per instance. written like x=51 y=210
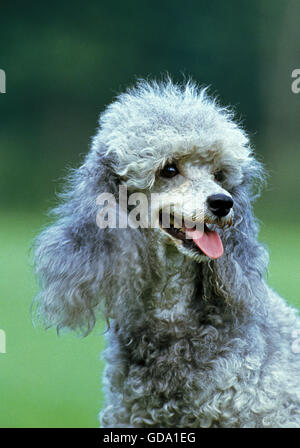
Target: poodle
x=195 y=336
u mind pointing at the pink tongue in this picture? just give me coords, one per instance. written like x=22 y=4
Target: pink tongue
x=208 y=241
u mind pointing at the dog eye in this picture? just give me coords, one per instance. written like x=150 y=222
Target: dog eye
x=219 y=176
x=169 y=170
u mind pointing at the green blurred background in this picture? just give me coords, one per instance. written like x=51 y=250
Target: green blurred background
x=64 y=63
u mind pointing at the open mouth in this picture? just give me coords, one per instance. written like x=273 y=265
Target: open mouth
x=205 y=241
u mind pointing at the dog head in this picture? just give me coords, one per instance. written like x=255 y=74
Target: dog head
x=176 y=145
x=156 y=139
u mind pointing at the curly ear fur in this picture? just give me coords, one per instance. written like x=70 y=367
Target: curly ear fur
x=66 y=256
x=237 y=276
x=76 y=261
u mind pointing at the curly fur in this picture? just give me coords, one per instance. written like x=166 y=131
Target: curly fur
x=192 y=342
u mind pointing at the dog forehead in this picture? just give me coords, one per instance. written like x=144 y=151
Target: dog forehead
x=137 y=125
x=193 y=166
x=146 y=129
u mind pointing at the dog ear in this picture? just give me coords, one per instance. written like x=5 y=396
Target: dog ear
x=72 y=255
x=238 y=275
x=242 y=238
x=82 y=268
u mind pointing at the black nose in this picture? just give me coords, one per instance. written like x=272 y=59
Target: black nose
x=219 y=204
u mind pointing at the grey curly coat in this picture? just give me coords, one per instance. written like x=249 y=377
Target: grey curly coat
x=193 y=341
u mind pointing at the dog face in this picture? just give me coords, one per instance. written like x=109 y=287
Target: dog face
x=191 y=200
x=194 y=204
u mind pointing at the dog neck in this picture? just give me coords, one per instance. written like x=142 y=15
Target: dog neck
x=172 y=294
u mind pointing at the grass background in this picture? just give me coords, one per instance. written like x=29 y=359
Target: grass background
x=55 y=381
x=46 y=380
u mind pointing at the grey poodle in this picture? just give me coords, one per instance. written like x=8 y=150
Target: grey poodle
x=196 y=338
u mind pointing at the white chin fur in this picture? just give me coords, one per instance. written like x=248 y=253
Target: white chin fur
x=193 y=254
